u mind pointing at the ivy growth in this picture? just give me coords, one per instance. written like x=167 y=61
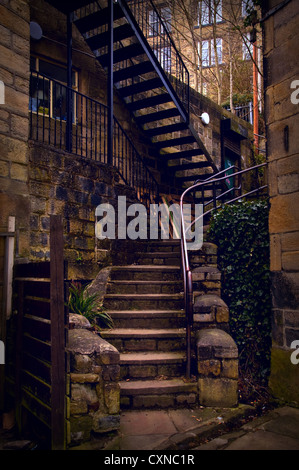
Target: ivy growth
x=241 y=233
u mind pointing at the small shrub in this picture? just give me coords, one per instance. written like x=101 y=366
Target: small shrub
x=88 y=305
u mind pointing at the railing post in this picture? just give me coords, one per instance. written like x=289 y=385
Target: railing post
x=110 y=85
x=69 y=119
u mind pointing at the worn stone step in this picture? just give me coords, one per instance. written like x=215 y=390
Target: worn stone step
x=170 y=246
x=143 y=301
x=150 y=365
x=159 y=258
x=148 y=318
x=142 y=339
x=170 y=393
x=144 y=287
x=146 y=273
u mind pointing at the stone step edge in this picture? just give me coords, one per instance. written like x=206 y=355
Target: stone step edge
x=143 y=333
x=152 y=357
x=142 y=283
x=145 y=296
x=156 y=387
x=146 y=267
x=145 y=313
x=158 y=254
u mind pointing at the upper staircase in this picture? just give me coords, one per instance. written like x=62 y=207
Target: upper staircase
x=152 y=80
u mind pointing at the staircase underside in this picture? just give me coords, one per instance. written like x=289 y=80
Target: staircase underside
x=145 y=88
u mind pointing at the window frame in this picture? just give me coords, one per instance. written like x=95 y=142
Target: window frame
x=49 y=80
x=246 y=55
x=154 y=29
x=207 y=46
x=208 y=12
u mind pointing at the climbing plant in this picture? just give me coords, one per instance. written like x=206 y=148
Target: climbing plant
x=241 y=233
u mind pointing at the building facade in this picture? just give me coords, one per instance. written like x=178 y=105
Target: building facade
x=281 y=116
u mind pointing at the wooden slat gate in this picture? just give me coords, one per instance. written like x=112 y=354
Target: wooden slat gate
x=42 y=364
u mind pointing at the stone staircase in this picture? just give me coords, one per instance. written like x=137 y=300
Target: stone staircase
x=145 y=301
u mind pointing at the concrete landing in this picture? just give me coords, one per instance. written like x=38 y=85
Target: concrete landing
x=210 y=429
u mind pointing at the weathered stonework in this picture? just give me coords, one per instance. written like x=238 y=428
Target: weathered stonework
x=95 y=393
x=210 y=311
x=217 y=359
x=14 y=119
x=281 y=117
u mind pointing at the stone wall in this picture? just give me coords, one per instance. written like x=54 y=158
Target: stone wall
x=211 y=134
x=60 y=183
x=94 y=376
x=217 y=368
x=14 y=122
x=282 y=119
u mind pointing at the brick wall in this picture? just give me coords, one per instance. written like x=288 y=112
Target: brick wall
x=282 y=120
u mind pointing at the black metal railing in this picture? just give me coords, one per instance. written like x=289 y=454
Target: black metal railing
x=229 y=193
x=244 y=112
x=156 y=29
x=57 y=112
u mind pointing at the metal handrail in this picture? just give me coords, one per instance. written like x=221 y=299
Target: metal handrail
x=186 y=270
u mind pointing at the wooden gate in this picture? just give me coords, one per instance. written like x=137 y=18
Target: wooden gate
x=41 y=366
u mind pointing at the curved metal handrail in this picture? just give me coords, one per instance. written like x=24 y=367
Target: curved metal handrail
x=186 y=270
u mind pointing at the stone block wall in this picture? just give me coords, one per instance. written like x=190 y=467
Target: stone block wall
x=60 y=183
x=94 y=376
x=280 y=30
x=211 y=134
x=217 y=368
x=14 y=121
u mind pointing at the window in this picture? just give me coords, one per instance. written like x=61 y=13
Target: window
x=153 y=23
x=205 y=53
x=246 y=6
x=208 y=52
x=218 y=50
x=155 y=27
x=209 y=10
x=247 y=47
x=46 y=96
x=163 y=55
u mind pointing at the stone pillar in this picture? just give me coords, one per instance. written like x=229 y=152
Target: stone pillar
x=217 y=362
x=95 y=392
x=14 y=117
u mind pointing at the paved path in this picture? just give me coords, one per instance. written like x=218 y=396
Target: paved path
x=197 y=429
x=188 y=429
x=182 y=429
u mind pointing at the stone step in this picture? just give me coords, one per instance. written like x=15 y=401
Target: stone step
x=171 y=393
x=150 y=365
x=144 y=287
x=143 y=301
x=159 y=258
x=171 y=246
x=146 y=273
x=146 y=339
x=148 y=318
